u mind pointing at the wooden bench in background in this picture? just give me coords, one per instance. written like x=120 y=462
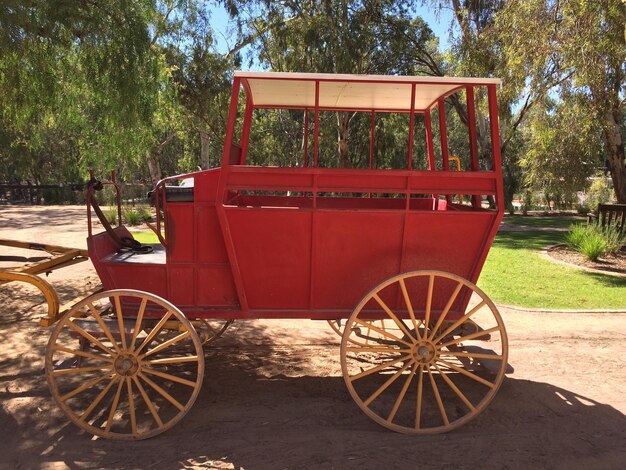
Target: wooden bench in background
x=610 y=214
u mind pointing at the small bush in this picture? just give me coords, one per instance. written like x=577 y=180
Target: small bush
x=593 y=247
x=594 y=241
x=111 y=215
x=575 y=237
x=582 y=209
x=132 y=216
x=144 y=213
x=614 y=239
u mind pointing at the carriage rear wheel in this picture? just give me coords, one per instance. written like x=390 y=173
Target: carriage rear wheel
x=439 y=368
x=124 y=364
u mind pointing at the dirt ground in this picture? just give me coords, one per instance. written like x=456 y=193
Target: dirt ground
x=273 y=396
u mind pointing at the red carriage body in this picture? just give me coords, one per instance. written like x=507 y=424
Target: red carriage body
x=310 y=242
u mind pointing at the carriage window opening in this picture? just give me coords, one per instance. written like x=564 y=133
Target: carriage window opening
x=391 y=141
x=277 y=138
x=485 y=151
x=458 y=134
x=436 y=133
x=420 y=154
x=344 y=139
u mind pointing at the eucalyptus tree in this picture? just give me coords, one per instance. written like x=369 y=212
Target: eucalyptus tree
x=586 y=41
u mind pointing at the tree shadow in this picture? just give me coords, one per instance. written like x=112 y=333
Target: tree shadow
x=265 y=404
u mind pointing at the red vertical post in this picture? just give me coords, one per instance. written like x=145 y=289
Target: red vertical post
x=305 y=142
x=429 y=140
x=495 y=143
x=372 y=128
x=230 y=126
x=411 y=128
x=471 y=118
x=443 y=133
x=245 y=133
x=317 y=124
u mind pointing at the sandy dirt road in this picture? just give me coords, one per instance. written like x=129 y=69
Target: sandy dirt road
x=273 y=396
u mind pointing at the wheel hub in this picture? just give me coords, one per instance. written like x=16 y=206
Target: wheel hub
x=424 y=352
x=126 y=364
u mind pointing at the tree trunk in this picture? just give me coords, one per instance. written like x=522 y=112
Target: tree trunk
x=154 y=166
x=205 y=162
x=343 y=136
x=615 y=155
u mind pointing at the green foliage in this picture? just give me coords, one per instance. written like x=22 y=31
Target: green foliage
x=599 y=192
x=136 y=215
x=595 y=241
x=110 y=214
x=563 y=143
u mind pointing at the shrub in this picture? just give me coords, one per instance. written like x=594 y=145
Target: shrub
x=110 y=214
x=582 y=209
x=132 y=216
x=593 y=247
x=594 y=241
x=144 y=213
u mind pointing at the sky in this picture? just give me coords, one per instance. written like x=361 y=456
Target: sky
x=438 y=21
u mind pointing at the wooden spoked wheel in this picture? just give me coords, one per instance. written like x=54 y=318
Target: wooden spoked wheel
x=443 y=364
x=211 y=329
x=364 y=335
x=124 y=364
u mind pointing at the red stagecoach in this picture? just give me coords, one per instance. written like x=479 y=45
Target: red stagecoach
x=389 y=257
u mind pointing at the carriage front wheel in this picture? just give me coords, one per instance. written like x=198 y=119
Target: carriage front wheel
x=124 y=364
x=441 y=364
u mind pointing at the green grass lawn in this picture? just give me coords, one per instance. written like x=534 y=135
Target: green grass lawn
x=558 y=221
x=516 y=274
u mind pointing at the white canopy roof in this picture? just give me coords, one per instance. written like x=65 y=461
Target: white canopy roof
x=351 y=92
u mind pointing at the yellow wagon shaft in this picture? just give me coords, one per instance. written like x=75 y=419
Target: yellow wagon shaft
x=59 y=257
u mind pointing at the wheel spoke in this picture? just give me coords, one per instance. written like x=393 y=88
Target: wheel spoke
x=446 y=310
x=405 y=387
x=88 y=337
x=409 y=307
x=78 y=352
x=154 y=332
x=379 y=367
x=442 y=410
x=172 y=360
x=79 y=370
x=114 y=405
x=131 y=406
x=85 y=386
x=469 y=337
x=494 y=356
x=459 y=322
x=468 y=374
x=147 y=401
x=386 y=385
x=171 y=378
x=420 y=390
x=167 y=344
x=142 y=309
x=382 y=332
x=429 y=303
x=374 y=349
x=162 y=392
x=393 y=316
x=120 y=320
x=460 y=394
x=97 y=400
x=103 y=326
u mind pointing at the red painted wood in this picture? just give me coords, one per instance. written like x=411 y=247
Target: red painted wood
x=247 y=247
